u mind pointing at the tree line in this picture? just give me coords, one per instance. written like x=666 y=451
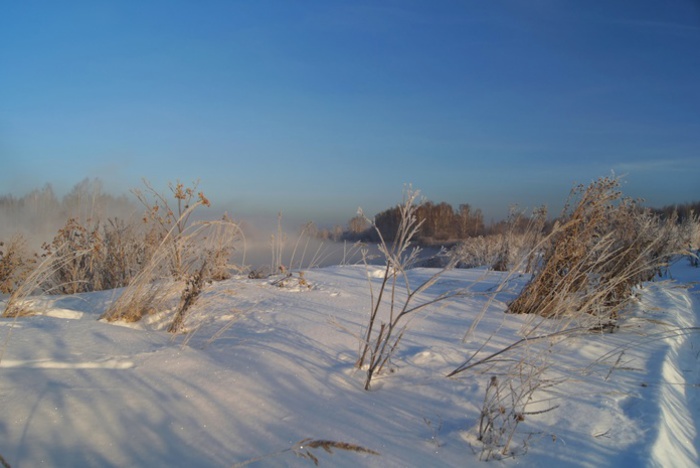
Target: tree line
x=442 y=223
x=683 y=211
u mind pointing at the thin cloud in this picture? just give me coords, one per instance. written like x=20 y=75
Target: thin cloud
x=682 y=164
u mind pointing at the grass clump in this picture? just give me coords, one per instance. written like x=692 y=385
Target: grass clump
x=600 y=250
x=39 y=281
x=112 y=254
x=505 y=406
x=154 y=262
x=189 y=256
x=585 y=274
x=16 y=264
x=78 y=273
x=169 y=219
x=513 y=244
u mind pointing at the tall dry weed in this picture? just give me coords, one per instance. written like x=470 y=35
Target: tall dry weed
x=517 y=246
x=170 y=218
x=601 y=249
x=690 y=233
x=16 y=264
x=112 y=254
x=395 y=299
x=78 y=273
x=39 y=281
x=157 y=286
x=127 y=250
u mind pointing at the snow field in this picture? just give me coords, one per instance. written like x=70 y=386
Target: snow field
x=265 y=367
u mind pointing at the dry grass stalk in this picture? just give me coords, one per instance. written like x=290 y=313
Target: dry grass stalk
x=302 y=449
x=277 y=242
x=149 y=291
x=127 y=249
x=690 y=233
x=81 y=273
x=194 y=285
x=154 y=285
x=517 y=248
x=15 y=264
x=604 y=247
x=479 y=251
x=518 y=244
x=386 y=327
x=39 y=281
x=211 y=245
x=330 y=445
x=593 y=259
x=219 y=242
x=172 y=221
x=154 y=288
x=113 y=253
x=506 y=403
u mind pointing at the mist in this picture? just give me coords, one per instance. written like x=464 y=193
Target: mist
x=297 y=251
x=38 y=215
x=269 y=241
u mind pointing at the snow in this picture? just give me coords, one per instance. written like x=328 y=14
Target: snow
x=265 y=367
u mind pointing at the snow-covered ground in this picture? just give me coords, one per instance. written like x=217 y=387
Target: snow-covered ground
x=266 y=367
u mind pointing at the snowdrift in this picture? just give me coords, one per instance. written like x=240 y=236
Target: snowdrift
x=268 y=367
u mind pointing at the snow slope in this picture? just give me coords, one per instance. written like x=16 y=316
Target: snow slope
x=266 y=367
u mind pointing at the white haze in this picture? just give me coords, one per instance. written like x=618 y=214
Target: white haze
x=38 y=215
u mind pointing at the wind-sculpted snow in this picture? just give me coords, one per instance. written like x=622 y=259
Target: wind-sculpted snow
x=52 y=364
x=677 y=387
x=267 y=364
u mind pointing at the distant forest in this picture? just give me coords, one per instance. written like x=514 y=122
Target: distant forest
x=442 y=223
x=40 y=213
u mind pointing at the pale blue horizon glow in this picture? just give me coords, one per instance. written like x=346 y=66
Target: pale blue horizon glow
x=315 y=108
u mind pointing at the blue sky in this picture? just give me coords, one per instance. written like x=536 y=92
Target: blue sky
x=314 y=108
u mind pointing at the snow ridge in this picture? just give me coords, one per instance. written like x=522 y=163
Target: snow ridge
x=677 y=432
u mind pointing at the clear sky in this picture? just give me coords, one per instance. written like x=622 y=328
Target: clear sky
x=314 y=108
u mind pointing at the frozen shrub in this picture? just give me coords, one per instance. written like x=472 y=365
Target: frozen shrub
x=186 y=257
x=601 y=249
x=77 y=273
x=15 y=264
x=170 y=219
x=690 y=234
x=193 y=288
x=92 y=257
x=38 y=281
x=478 y=251
x=126 y=251
x=515 y=247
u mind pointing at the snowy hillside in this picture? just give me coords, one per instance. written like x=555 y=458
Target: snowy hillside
x=265 y=367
